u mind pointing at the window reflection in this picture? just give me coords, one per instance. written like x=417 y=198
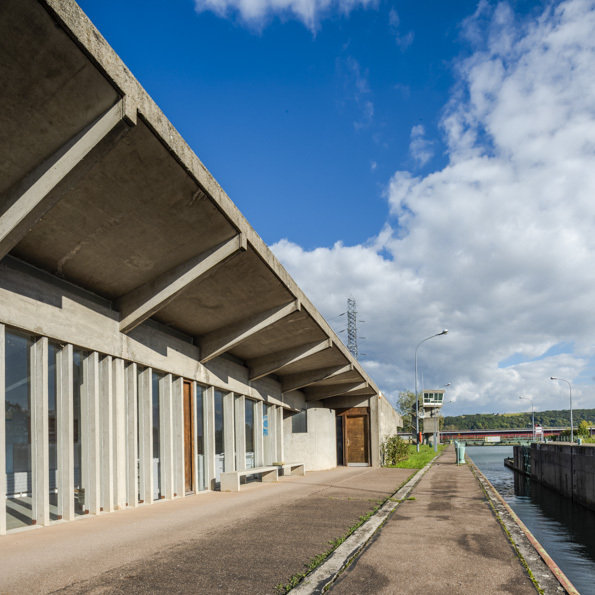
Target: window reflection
x=18 y=430
x=156 y=377
x=200 y=439
x=249 y=426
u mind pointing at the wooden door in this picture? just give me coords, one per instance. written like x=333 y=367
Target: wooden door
x=356 y=439
x=188 y=438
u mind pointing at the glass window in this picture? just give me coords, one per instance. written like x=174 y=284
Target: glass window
x=156 y=377
x=78 y=357
x=219 y=424
x=249 y=428
x=53 y=350
x=200 y=437
x=219 y=436
x=18 y=430
x=299 y=422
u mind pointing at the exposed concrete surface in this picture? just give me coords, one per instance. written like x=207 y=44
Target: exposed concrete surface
x=447 y=540
x=246 y=542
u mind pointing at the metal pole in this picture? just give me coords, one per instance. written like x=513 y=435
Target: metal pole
x=416 y=395
x=571 y=420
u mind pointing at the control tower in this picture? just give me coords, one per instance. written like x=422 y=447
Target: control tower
x=432 y=402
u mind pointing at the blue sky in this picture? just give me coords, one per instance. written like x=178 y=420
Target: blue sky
x=280 y=113
x=433 y=159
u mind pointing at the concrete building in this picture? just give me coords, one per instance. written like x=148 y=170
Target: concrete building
x=149 y=339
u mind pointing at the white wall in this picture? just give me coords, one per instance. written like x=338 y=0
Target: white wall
x=317 y=448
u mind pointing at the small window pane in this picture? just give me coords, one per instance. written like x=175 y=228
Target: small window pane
x=299 y=422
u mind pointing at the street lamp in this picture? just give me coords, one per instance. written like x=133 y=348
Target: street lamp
x=435 y=425
x=444 y=332
x=532 y=413
x=571 y=422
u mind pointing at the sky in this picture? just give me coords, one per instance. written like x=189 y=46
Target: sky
x=434 y=160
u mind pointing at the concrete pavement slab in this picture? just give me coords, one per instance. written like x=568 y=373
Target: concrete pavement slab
x=446 y=540
x=245 y=542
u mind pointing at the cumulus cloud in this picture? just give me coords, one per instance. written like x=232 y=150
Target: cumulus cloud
x=257 y=13
x=499 y=245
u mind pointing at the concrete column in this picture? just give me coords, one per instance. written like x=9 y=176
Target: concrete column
x=374 y=431
x=280 y=451
x=3 y=426
x=132 y=435
x=119 y=429
x=65 y=432
x=258 y=437
x=106 y=387
x=40 y=448
x=210 y=436
x=240 y=432
x=92 y=451
x=229 y=432
x=145 y=433
x=178 y=435
x=166 y=436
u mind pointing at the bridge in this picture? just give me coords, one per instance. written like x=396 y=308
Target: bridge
x=499 y=436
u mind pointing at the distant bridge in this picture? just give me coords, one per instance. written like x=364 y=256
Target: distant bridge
x=504 y=435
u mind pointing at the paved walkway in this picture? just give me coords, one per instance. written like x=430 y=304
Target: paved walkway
x=446 y=540
x=246 y=542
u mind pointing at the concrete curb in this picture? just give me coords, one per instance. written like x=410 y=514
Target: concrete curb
x=320 y=579
x=538 y=562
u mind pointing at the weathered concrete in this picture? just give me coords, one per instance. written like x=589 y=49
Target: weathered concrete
x=246 y=542
x=446 y=540
x=567 y=468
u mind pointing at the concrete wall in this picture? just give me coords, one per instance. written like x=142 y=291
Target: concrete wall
x=566 y=468
x=317 y=448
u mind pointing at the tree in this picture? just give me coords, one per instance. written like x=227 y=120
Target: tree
x=406 y=409
x=583 y=428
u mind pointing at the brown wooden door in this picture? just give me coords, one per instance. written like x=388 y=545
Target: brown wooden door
x=188 y=438
x=356 y=438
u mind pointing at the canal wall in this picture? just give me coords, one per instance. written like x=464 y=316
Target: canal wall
x=566 y=468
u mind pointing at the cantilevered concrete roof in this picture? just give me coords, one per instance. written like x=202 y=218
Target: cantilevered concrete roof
x=99 y=189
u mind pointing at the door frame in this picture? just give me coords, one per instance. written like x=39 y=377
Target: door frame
x=189 y=429
x=355 y=412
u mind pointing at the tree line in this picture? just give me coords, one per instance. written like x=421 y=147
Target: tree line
x=505 y=421
x=493 y=421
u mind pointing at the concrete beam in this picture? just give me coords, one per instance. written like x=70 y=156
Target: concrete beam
x=142 y=302
x=226 y=338
x=295 y=381
x=324 y=392
x=263 y=366
x=26 y=203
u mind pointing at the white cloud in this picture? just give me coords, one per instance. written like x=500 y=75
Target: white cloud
x=420 y=148
x=403 y=40
x=499 y=245
x=257 y=13
x=355 y=81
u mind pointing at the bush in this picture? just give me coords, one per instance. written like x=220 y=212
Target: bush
x=393 y=450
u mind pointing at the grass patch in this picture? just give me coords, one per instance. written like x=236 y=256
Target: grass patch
x=417 y=460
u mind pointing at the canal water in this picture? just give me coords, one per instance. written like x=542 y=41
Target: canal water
x=565 y=529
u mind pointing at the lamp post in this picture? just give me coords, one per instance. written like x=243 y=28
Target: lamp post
x=435 y=424
x=571 y=422
x=444 y=332
x=532 y=413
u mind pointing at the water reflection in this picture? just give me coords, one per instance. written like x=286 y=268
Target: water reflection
x=565 y=529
